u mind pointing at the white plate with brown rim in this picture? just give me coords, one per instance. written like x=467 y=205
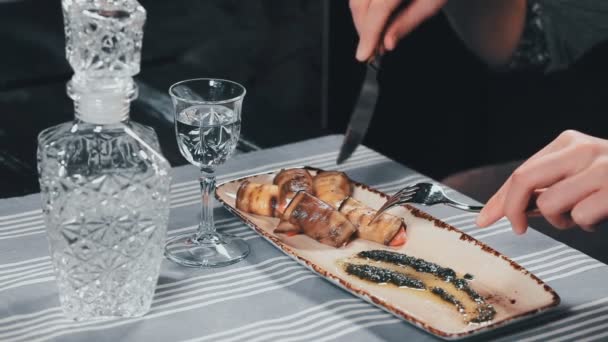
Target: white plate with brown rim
x=515 y=293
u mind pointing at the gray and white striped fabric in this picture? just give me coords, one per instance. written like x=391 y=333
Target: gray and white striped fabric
x=268 y=297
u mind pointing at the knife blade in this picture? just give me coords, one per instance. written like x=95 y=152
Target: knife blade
x=362 y=114
x=366 y=103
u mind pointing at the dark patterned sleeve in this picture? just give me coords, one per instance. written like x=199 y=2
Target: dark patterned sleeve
x=559 y=32
x=532 y=51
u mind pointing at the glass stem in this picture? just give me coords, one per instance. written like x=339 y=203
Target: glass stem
x=206 y=227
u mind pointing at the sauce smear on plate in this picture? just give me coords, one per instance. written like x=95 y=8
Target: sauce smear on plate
x=442 y=284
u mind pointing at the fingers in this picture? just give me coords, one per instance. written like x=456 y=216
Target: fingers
x=494 y=208
x=558 y=200
x=373 y=25
x=371 y=19
x=492 y=211
x=410 y=18
x=537 y=174
x=562 y=141
x=573 y=170
x=592 y=210
x=559 y=221
x=358 y=9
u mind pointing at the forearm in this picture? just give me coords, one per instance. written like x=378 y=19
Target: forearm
x=490 y=28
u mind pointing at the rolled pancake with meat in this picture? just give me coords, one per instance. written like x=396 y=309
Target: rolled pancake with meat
x=315 y=218
x=385 y=229
x=258 y=199
x=290 y=182
x=332 y=187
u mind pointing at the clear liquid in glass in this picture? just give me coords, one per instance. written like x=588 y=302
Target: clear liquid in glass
x=207 y=134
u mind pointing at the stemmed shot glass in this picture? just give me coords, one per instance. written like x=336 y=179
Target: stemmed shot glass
x=207 y=126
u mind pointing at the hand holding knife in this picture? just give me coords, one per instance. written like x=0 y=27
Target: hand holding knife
x=364 y=108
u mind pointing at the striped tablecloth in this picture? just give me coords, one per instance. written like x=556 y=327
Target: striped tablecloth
x=268 y=297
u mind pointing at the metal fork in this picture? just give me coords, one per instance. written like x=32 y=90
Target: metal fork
x=431 y=194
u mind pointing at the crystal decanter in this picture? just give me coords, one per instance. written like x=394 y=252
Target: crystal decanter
x=105 y=185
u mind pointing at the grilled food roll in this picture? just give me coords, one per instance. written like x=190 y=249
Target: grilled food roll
x=290 y=182
x=259 y=199
x=315 y=218
x=332 y=187
x=386 y=229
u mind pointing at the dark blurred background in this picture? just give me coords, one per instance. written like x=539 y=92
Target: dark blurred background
x=440 y=109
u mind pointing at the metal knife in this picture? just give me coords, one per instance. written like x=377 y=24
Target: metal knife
x=366 y=103
x=363 y=112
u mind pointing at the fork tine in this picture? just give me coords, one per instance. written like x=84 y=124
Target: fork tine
x=401 y=197
x=391 y=201
x=406 y=189
x=405 y=194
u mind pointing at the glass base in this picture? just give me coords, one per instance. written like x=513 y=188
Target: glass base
x=210 y=250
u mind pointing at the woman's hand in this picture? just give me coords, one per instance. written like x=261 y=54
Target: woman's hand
x=574 y=171
x=371 y=18
x=490 y=28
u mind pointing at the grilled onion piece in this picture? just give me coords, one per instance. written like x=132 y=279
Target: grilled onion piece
x=259 y=199
x=332 y=187
x=315 y=218
x=383 y=230
x=290 y=182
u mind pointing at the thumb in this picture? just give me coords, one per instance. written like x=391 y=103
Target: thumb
x=375 y=21
x=409 y=19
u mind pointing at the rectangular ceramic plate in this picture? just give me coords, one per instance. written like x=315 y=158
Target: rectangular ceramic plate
x=514 y=292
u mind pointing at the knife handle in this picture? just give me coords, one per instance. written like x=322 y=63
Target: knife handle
x=532 y=208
